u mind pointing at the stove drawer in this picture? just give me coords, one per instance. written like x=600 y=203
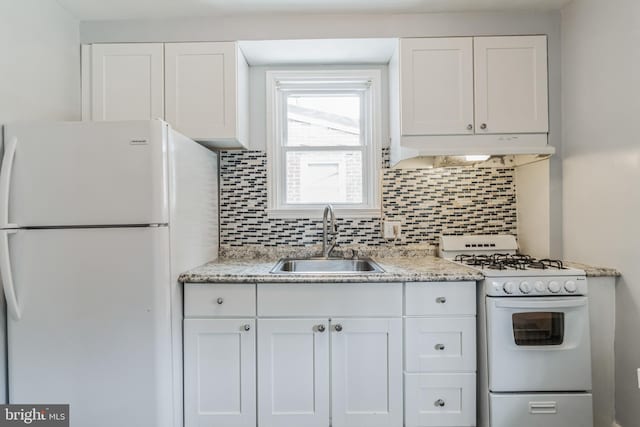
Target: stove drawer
x=441 y=400
x=440 y=344
x=440 y=298
x=548 y=410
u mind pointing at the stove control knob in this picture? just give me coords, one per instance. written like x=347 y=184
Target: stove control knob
x=570 y=286
x=540 y=286
x=554 y=287
x=497 y=286
x=525 y=287
x=509 y=287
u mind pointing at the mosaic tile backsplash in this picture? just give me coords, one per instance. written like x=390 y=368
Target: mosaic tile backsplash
x=428 y=202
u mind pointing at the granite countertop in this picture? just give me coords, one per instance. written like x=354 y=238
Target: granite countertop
x=593 y=271
x=397 y=269
x=413 y=263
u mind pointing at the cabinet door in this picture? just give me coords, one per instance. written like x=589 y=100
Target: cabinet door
x=366 y=372
x=511 y=84
x=201 y=89
x=127 y=81
x=293 y=373
x=219 y=372
x=437 y=86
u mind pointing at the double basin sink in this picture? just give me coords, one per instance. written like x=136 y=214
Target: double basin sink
x=326 y=266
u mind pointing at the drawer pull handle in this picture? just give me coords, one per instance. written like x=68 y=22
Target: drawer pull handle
x=441 y=300
x=220 y=300
x=320 y=328
x=543 y=408
x=338 y=327
x=439 y=347
x=247 y=327
x=439 y=403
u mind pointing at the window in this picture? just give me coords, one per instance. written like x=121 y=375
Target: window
x=323 y=132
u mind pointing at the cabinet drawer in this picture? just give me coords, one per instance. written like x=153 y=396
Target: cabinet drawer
x=440 y=400
x=440 y=344
x=440 y=298
x=219 y=300
x=330 y=299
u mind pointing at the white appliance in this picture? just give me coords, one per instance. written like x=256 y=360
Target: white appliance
x=97 y=220
x=534 y=341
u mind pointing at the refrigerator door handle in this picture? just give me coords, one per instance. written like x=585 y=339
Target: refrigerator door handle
x=5 y=181
x=7 y=276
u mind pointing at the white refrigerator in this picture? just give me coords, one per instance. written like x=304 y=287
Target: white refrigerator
x=97 y=220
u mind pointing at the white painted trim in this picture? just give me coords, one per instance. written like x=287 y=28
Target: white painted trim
x=316 y=213
x=85 y=80
x=275 y=183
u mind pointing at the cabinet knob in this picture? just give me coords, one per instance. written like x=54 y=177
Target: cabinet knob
x=469 y=127
x=247 y=327
x=320 y=328
x=220 y=300
x=439 y=347
x=441 y=300
x=483 y=126
x=338 y=327
x=439 y=403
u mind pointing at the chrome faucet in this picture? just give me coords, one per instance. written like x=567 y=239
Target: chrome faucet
x=326 y=250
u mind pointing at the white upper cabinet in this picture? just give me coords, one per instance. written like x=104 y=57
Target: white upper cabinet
x=207 y=88
x=437 y=86
x=511 y=84
x=207 y=92
x=127 y=82
x=473 y=85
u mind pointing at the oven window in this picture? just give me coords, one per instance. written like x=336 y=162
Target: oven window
x=538 y=328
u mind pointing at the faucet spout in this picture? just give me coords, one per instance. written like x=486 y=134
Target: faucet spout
x=326 y=224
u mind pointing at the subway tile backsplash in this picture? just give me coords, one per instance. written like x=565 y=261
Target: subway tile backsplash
x=428 y=202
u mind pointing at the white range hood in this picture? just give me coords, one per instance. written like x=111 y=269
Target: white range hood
x=478 y=150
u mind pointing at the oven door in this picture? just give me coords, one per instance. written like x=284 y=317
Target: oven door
x=538 y=344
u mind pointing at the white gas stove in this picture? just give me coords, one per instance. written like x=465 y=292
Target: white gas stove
x=508 y=273
x=534 y=360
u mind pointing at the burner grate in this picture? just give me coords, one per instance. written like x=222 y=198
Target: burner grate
x=501 y=261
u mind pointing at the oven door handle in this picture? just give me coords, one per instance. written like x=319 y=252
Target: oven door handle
x=572 y=303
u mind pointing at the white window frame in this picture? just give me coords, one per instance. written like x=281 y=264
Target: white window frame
x=278 y=84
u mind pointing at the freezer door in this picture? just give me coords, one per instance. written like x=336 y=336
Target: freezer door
x=95 y=327
x=84 y=173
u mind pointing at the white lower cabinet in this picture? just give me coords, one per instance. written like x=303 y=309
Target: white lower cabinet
x=440 y=400
x=366 y=372
x=354 y=363
x=220 y=372
x=251 y=358
x=440 y=354
x=293 y=372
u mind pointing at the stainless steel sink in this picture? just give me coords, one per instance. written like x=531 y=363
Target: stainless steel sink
x=326 y=266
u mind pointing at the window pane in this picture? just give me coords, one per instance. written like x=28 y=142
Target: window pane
x=324 y=177
x=314 y=120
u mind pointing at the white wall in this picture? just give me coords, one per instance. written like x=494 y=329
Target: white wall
x=533 y=208
x=40 y=61
x=601 y=164
x=357 y=26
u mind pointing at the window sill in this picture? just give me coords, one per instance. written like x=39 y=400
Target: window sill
x=316 y=213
